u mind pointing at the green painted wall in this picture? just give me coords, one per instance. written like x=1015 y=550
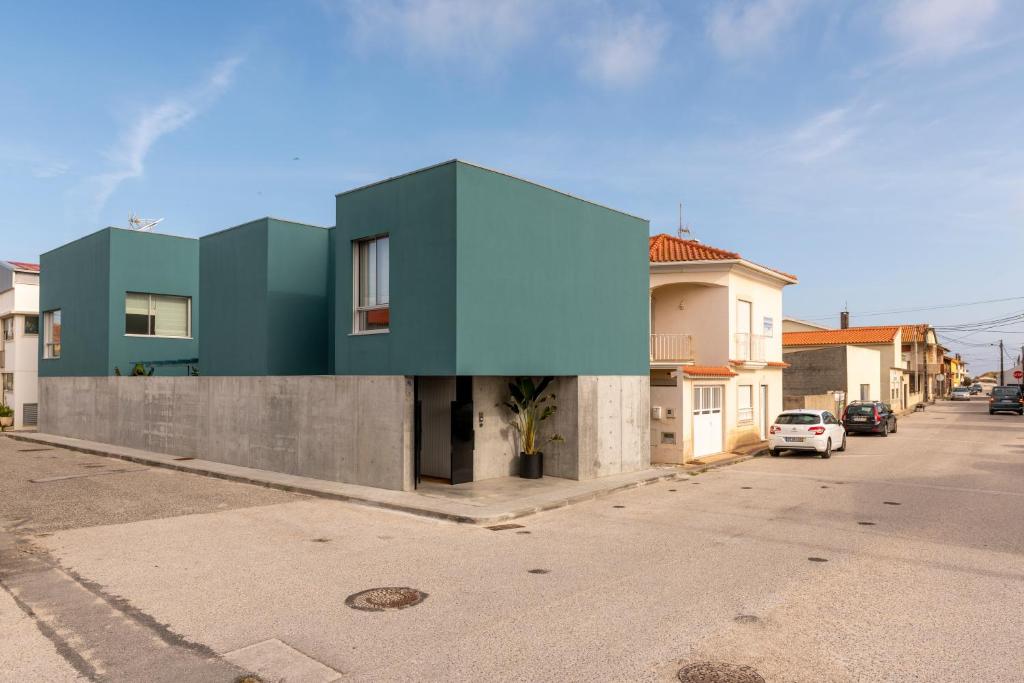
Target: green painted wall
x=418 y=212
x=155 y=264
x=88 y=280
x=548 y=284
x=74 y=278
x=265 y=285
x=491 y=275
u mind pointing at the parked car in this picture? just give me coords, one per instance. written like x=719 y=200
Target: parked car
x=869 y=417
x=975 y=389
x=806 y=430
x=1006 y=400
x=961 y=394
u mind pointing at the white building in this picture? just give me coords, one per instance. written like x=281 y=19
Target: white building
x=716 y=349
x=19 y=341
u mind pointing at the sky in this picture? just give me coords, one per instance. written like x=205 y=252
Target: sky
x=872 y=148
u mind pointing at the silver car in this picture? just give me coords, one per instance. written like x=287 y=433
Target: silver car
x=960 y=394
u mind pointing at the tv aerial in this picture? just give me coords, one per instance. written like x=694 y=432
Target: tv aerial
x=142 y=224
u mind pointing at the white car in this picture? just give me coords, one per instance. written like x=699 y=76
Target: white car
x=806 y=430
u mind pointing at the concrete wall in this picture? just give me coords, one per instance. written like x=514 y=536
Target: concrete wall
x=816 y=371
x=354 y=429
x=605 y=421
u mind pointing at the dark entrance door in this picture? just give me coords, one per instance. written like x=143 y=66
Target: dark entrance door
x=462 y=431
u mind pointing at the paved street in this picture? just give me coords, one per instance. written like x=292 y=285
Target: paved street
x=155 y=575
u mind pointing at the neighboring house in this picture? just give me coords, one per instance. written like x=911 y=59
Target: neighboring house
x=797 y=325
x=923 y=356
x=116 y=298
x=957 y=370
x=886 y=340
x=378 y=351
x=19 y=318
x=856 y=371
x=715 y=349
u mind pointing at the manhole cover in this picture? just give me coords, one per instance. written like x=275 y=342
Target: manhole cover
x=746 y=619
x=889 y=502
x=380 y=599
x=825 y=487
x=539 y=571
x=618 y=506
x=718 y=672
x=671 y=490
x=866 y=523
x=817 y=559
x=746 y=487
x=522 y=532
x=321 y=540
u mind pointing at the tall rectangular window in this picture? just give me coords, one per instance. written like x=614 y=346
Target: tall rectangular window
x=157 y=315
x=745 y=403
x=8 y=326
x=865 y=392
x=51 y=334
x=373 y=275
x=8 y=381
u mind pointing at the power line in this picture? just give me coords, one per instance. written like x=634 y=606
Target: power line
x=914 y=310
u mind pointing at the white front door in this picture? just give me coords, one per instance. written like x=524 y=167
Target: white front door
x=707 y=420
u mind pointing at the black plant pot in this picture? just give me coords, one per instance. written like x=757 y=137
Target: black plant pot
x=531 y=465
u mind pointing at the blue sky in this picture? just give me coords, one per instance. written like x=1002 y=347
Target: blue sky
x=873 y=148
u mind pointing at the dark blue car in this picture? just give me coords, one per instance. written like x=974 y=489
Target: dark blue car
x=1006 y=399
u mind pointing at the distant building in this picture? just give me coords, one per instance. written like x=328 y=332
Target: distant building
x=19 y=317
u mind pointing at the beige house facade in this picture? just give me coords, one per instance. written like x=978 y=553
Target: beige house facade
x=715 y=350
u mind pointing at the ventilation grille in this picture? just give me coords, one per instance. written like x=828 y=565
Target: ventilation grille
x=30 y=411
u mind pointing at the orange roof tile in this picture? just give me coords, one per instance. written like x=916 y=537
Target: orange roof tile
x=665 y=248
x=707 y=371
x=854 y=335
x=913 y=333
x=29 y=267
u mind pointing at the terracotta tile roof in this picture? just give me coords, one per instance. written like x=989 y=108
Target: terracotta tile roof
x=777 y=364
x=913 y=333
x=665 y=248
x=854 y=335
x=21 y=265
x=707 y=371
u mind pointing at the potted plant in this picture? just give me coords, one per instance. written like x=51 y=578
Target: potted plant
x=530 y=406
x=6 y=416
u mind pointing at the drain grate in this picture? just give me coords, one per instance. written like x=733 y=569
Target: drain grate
x=388 y=597
x=817 y=559
x=502 y=527
x=672 y=490
x=825 y=487
x=866 y=523
x=746 y=487
x=746 y=619
x=889 y=502
x=539 y=571
x=321 y=540
x=718 y=672
x=522 y=532
x=618 y=506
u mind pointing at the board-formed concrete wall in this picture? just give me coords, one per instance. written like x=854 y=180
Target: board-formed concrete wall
x=353 y=429
x=604 y=421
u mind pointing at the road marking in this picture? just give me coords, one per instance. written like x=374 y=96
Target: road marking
x=62 y=477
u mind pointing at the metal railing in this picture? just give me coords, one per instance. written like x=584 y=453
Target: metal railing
x=671 y=347
x=750 y=347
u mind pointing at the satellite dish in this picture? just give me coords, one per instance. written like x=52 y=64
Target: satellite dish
x=142 y=224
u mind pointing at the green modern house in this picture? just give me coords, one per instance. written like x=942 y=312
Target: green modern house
x=379 y=351
x=117 y=298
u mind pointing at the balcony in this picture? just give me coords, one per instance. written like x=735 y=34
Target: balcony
x=750 y=348
x=671 y=348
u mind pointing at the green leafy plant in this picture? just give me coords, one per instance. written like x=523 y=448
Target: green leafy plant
x=6 y=410
x=530 y=406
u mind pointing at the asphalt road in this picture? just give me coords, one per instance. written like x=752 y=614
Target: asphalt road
x=921 y=533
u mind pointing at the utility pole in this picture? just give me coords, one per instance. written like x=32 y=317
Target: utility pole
x=1002 y=379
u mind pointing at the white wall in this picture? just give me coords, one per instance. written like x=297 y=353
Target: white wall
x=765 y=296
x=864 y=366
x=698 y=310
x=21 y=355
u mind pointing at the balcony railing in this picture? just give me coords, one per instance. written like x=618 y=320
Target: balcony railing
x=750 y=347
x=671 y=347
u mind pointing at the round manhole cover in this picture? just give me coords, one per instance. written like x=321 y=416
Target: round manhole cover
x=718 y=672
x=380 y=599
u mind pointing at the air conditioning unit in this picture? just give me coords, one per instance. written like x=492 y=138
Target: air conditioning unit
x=655 y=412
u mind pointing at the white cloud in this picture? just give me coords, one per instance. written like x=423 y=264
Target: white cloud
x=823 y=135
x=129 y=154
x=751 y=28
x=621 y=51
x=441 y=29
x=940 y=28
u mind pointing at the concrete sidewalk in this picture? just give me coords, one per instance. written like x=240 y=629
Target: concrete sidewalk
x=483 y=502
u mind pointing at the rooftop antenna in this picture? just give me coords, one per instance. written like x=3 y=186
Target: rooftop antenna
x=142 y=224
x=684 y=231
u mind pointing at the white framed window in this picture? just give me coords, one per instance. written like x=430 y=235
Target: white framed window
x=51 y=334
x=157 y=315
x=371 y=259
x=8 y=381
x=8 y=327
x=745 y=403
